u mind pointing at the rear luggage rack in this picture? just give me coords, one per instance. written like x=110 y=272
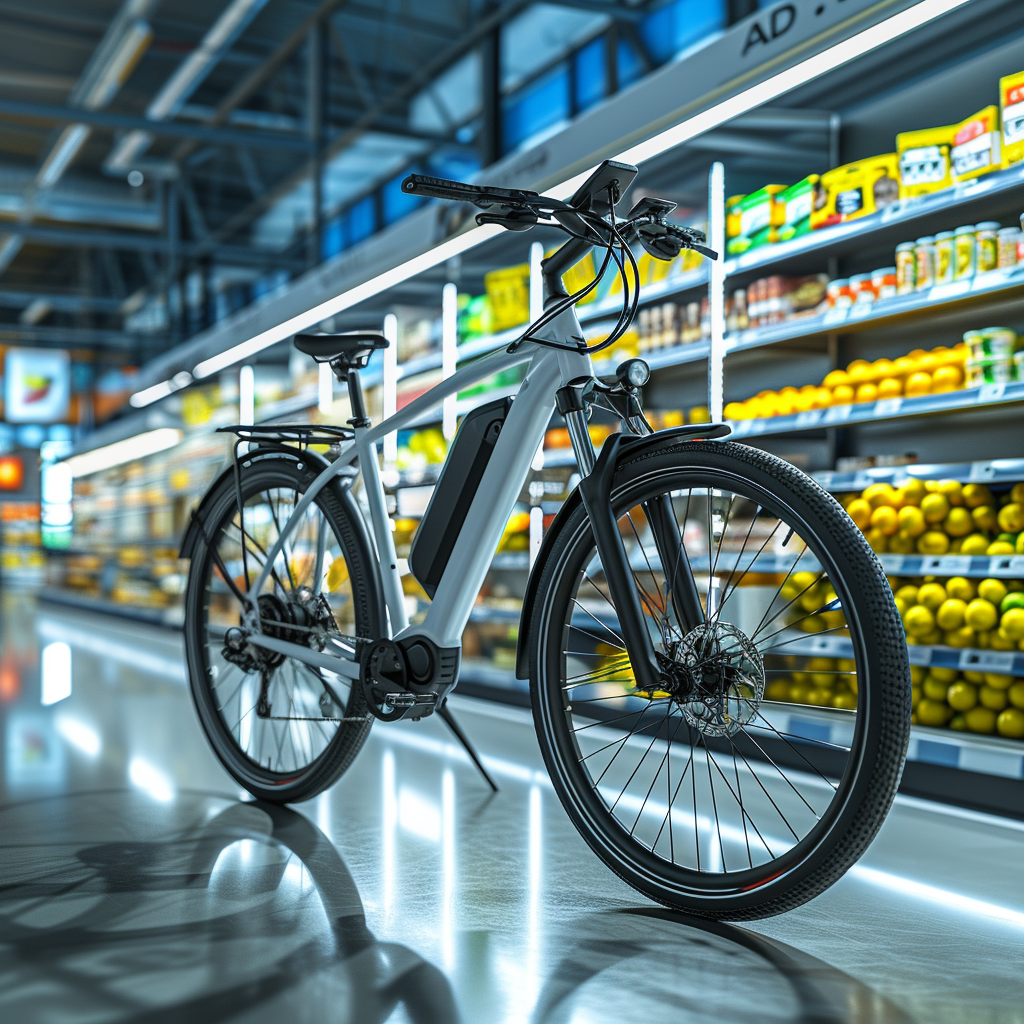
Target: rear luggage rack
x=301 y=434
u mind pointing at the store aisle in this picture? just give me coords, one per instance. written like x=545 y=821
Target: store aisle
x=139 y=884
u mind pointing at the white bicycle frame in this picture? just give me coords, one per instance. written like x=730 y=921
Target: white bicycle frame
x=499 y=489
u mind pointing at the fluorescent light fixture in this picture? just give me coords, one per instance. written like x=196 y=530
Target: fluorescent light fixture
x=246 y=396
x=449 y=353
x=162 y=390
x=66 y=149
x=150 y=780
x=756 y=96
x=129 y=50
x=389 y=388
x=128 y=450
x=55 y=673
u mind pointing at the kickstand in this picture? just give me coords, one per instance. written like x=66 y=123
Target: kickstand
x=449 y=720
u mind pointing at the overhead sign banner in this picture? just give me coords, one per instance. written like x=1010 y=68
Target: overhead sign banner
x=38 y=385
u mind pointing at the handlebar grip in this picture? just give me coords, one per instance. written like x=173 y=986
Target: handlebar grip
x=440 y=188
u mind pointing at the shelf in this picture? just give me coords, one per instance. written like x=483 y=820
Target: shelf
x=994 y=471
x=883 y=409
x=995 y=284
x=853 y=234
x=977 y=566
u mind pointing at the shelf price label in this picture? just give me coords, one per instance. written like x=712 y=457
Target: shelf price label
x=940 y=292
x=946 y=565
x=834 y=316
x=892 y=563
x=838 y=413
x=990 y=392
x=808 y=418
x=888 y=406
x=988 y=661
x=981 y=471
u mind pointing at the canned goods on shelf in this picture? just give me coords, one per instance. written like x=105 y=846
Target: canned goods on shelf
x=965 y=252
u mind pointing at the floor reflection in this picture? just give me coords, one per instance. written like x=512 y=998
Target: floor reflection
x=116 y=908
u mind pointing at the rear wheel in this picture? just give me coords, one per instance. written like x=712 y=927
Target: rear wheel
x=755 y=785
x=284 y=730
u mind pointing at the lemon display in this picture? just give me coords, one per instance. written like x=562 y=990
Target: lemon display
x=998 y=680
x=934 y=507
x=958 y=523
x=933 y=713
x=934 y=689
x=976 y=495
x=1011 y=517
x=912 y=492
x=984 y=517
x=992 y=698
x=933 y=542
x=962 y=696
x=1010 y=723
x=974 y=544
x=907 y=593
x=1016 y=694
x=860 y=512
x=999 y=547
x=881 y=494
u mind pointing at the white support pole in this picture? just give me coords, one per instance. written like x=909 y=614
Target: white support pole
x=716 y=291
x=536 y=308
x=389 y=388
x=449 y=353
x=324 y=388
x=246 y=396
x=536 y=281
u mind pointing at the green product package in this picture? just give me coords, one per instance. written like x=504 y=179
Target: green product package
x=797 y=202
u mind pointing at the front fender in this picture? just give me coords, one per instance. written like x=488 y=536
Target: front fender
x=635 y=446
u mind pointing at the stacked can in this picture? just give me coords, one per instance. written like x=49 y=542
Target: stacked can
x=992 y=359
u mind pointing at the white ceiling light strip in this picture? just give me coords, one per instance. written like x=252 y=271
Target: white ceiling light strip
x=757 y=95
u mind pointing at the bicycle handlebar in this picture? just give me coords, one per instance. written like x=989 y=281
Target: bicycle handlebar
x=483 y=196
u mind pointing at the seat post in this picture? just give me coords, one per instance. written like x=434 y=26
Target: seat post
x=355 y=398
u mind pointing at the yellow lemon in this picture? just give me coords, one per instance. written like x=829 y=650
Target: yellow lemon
x=337 y=574
x=958 y=523
x=1016 y=694
x=976 y=495
x=931 y=595
x=934 y=507
x=814 y=624
x=984 y=517
x=803 y=580
x=962 y=696
x=952 y=490
x=1017 y=493
x=998 y=681
x=884 y=518
x=917 y=384
x=908 y=592
x=890 y=387
x=903 y=544
x=1000 y=547
x=933 y=543
x=974 y=544
x=946 y=378
x=877 y=495
x=993 y=590
x=1010 y=723
x=881 y=368
x=933 y=689
x=1012 y=623
x=903 y=366
x=866 y=393
x=835 y=378
x=919 y=620
x=932 y=712
x=980 y=719
x=1019 y=544
x=947 y=675
x=911 y=521
x=992 y=698
x=877 y=541
x=911 y=492
x=1011 y=517
x=981 y=614
x=859 y=371
x=962 y=637
x=961 y=588
x=822 y=398
x=950 y=614
x=860 y=512
x=843 y=394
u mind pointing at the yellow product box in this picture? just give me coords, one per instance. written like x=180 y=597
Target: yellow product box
x=1011 y=103
x=855 y=190
x=976 y=149
x=924 y=161
x=508 y=295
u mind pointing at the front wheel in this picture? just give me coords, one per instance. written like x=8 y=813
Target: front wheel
x=757 y=781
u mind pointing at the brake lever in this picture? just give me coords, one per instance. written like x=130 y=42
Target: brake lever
x=514 y=218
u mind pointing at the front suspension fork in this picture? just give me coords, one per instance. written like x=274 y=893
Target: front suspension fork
x=595 y=489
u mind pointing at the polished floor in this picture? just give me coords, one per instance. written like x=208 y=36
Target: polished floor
x=137 y=883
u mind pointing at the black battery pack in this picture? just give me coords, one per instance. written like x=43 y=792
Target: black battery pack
x=456 y=487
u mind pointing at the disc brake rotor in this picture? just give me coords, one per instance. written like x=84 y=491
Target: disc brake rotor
x=728 y=678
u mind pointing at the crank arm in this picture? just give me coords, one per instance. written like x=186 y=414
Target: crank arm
x=595 y=489
x=339 y=666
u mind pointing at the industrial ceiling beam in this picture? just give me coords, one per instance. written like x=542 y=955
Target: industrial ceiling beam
x=237 y=254
x=618 y=11
x=178 y=129
x=61 y=303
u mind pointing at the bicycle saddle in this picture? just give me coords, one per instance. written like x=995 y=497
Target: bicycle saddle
x=352 y=350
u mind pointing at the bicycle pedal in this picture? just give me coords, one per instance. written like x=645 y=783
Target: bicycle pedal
x=410 y=700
